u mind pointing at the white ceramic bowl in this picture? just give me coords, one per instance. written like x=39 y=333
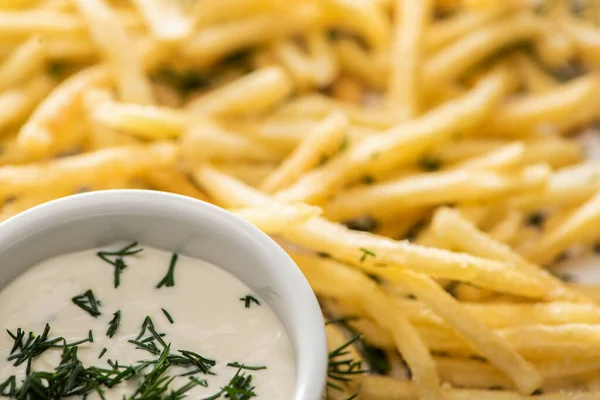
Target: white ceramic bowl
x=187 y=226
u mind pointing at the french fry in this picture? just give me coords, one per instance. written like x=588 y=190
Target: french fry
x=41 y=134
x=376 y=387
x=209 y=12
x=559 y=109
x=23 y=62
x=459 y=233
x=17 y=103
x=31 y=200
x=535 y=78
x=165 y=19
x=144 y=121
x=505 y=158
x=507 y=229
x=582 y=222
x=448 y=30
x=364 y=16
x=207 y=141
x=211 y=43
x=120 y=50
x=253 y=93
x=38 y=21
x=376 y=303
x=371 y=68
x=463 y=149
x=252 y=174
x=349 y=90
x=384 y=200
x=505 y=315
x=356 y=247
x=314 y=68
x=70 y=172
x=567 y=186
x=466 y=52
x=403 y=143
x=317 y=106
x=275 y=220
x=404 y=91
x=324 y=141
x=175 y=181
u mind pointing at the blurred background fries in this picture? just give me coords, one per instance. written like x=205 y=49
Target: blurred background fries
x=430 y=165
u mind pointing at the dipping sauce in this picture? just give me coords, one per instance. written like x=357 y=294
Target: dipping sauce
x=161 y=320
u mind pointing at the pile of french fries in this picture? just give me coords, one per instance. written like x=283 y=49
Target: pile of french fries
x=419 y=159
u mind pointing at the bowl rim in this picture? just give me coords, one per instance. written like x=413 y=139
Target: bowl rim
x=310 y=346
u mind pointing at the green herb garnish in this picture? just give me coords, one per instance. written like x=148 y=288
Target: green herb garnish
x=102 y=352
x=88 y=303
x=114 y=324
x=119 y=262
x=430 y=164
x=341 y=368
x=366 y=252
x=167 y=315
x=244 y=366
x=248 y=299
x=239 y=388
x=169 y=279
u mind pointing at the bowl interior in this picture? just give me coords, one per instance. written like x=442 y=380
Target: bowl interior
x=183 y=225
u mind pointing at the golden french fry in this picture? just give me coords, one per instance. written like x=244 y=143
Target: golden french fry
x=91 y=168
x=535 y=78
x=38 y=21
x=165 y=18
x=401 y=144
x=252 y=174
x=581 y=223
x=444 y=32
x=17 y=103
x=376 y=387
x=324 y=141
x=23 y=62
x=404 y=91
x=144 y=121
x=504 y=315
x=255 y=92
x=505 y=158
x=364 y=16
x=207 y=141
x=507 y=229
x=318 y=106
x=377 y=305
x=209 y=44
x=120 y=50
x=370 y=67
x=558 y=109
x=364 y=249
x=384 y=200
x=466 y=52
x=275 y=220
x=175 y=181
x=40 y=135
x=460 y=233
x=211 y=11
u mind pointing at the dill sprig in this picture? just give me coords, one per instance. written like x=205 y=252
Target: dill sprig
x=119 y=262
x=169 y=279
x=113 y=325
x=341 y=368
x=239 y=388
x=167 y=315
x=88 y=302
x=26 y=350
x=248 y=300
x=235 y=364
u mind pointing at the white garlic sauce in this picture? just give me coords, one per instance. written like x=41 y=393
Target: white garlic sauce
x=209 y=319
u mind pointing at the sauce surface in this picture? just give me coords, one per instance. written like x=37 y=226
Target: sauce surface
x=208 y=307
